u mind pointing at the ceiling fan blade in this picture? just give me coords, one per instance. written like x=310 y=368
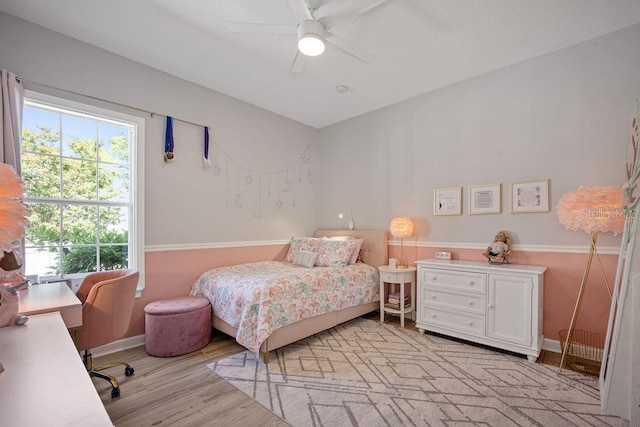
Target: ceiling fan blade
x=298 y=63
x=350 y=48
x=300 y=9
x=349 y=10
x=247 y=27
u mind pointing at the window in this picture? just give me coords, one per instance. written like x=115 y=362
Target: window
x=83 y=181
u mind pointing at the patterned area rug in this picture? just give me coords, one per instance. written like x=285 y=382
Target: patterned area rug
x=363 y=373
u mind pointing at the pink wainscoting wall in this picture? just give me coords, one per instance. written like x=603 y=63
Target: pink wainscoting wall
x=171 y=273
x=562 y=282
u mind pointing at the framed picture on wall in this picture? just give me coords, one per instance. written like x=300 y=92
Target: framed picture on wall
x=485 y=199
x=531 y=196
x=447 y=201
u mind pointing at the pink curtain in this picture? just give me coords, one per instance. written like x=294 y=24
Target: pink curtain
x=12 y=94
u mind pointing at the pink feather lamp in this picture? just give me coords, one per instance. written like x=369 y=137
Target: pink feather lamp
x=13 y=215
x=593 y=210
x=401 y=227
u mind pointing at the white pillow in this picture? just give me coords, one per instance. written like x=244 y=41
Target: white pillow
x=305 y=258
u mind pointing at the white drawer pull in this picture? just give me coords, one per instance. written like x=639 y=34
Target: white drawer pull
x=433 y=297
x=433 y=315
x=470 y=323
x=470 y=303
x=471 y=283
x=434 y=278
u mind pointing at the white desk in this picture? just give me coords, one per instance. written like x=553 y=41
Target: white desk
x=44 y=382
x=50 y=297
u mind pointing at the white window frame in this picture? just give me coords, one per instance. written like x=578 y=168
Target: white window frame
x=136 y=239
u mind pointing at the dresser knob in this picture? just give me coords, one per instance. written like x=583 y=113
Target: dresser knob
x=470 y=323
x=434 y=278
x=433 y=297
x=471 y=283
x=470 y=303
x=433 y=315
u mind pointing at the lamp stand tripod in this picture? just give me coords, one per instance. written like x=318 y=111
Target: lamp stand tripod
x=593 y=251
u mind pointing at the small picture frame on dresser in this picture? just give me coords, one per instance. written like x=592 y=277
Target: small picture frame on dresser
x=393 y=263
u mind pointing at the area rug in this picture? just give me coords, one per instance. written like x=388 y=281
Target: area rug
x=364 y=373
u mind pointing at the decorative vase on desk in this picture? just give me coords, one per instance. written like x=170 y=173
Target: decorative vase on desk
x=8 y=307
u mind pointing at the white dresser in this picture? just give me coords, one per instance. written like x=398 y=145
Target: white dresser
x=495 y=305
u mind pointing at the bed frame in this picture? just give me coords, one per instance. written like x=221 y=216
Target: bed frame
x=374 y=252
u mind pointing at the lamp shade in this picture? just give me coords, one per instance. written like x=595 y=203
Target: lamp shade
x=13 y=212
x=401 y=227
x=592 y=209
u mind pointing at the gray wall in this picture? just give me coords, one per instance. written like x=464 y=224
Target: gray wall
x=564 y=116
x=185 y=204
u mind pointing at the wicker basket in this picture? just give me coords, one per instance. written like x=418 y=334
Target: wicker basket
x=585 y=351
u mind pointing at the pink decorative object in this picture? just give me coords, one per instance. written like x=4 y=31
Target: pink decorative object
x=177 y=326
x=592 y=209
x=13 y=212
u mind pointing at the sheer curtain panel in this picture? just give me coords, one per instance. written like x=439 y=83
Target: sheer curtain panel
x=12 y=93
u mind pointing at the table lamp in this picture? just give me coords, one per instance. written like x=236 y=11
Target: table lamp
x=593 y=210
x=401 y=227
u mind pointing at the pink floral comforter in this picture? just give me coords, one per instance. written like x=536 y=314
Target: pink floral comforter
x=260 y=297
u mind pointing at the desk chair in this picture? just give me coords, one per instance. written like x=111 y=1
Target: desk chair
x=107 y=302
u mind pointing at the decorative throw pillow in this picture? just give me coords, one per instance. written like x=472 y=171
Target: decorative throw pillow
x=356 y=250
x=297 y=244
x=305 y=258
x=335 y=252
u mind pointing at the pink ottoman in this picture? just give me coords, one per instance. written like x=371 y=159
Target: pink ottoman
x=177 y=326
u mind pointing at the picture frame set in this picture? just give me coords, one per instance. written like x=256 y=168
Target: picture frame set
x=524 y=197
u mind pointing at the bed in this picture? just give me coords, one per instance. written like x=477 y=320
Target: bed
x=267 y=305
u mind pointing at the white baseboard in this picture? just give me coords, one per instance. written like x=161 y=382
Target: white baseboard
x=120 y=345
x=551 y=345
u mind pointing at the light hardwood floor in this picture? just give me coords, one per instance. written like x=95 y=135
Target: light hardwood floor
x=182 y=391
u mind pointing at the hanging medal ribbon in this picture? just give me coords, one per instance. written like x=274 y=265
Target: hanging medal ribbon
x=168 y=141
x=206 y=162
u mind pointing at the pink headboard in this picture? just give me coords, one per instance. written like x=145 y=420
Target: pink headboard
x=375 y=244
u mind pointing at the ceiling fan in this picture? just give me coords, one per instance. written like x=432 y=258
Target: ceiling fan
x=313 y=33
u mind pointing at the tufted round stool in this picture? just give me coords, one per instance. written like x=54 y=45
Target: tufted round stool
x=177 y=326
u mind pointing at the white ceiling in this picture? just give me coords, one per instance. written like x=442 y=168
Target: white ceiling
x=419 y=45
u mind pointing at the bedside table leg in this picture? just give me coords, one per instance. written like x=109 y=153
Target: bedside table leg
x=402 y=305
x=381 y=301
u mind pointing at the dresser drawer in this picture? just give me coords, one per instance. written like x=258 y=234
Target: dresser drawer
x=469 y=282
x=464 y=322
x=466 y=302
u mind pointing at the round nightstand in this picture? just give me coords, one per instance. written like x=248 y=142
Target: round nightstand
x=401 y=276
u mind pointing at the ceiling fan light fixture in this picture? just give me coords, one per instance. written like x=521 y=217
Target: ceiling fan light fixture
x=310 y=38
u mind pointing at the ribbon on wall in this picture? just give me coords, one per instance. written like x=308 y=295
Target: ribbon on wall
x=168 y=141
x=206 y=162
